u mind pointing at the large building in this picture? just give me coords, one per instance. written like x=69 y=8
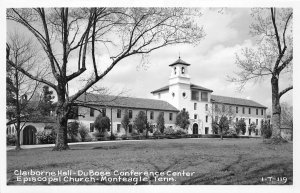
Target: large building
x=179 y=94
x=203 y=107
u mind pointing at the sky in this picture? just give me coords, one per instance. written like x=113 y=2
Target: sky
x=212 y=61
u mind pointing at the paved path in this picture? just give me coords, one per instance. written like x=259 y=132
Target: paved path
x=92 y=142
x=78 y=143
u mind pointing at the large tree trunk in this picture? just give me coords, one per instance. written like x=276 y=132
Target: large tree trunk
x=18 y=145
x=61 y=142
x=276 y=109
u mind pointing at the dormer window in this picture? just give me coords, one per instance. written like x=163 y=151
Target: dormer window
x=175 y=70
x=173 y=94
x=182 y=70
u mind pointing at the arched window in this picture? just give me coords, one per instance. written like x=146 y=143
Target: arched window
x=182 y=70
x=175 y=70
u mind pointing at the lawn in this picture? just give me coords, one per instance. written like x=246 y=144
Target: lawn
x=207 y=161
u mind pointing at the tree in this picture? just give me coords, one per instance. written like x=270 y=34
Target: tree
x=45 y=105
x=182 y=119
x=140 y=122
x=222 y=116
x=83 y=131
x=240 y=127
x=101 y=123
x=126 y=121
x=251 y=128
x=19 y=88
x=266 y=130
x=80 y=33
x=160 y=122
x=73 y=130
x=272 y=56
x=221 y=126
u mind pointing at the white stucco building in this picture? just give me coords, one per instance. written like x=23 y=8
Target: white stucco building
x=203 y=107
x=180 y=93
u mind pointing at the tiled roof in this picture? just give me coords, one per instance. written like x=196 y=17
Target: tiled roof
x=193 y=86
x=125 y=102
x=235 y=101
x=35 y=119
x=179 y=61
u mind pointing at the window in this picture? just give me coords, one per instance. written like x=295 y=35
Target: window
x=237 y=120
x=237 y=109
x=256 y=111
x=206 y=119
x=182 y=70
x=183 y=94
x=195 y=116
x=206 y=107
x=103 y=112
x=223 y=108
x=262 y=112
x=151 y=115
x=195 y=106
x=195 y=95
x=118 y=113
x=216 y=107
x=170 y=116
x=130 y=114
x=173 y=94
x=130 y=128
x=91 y=127
x=175 y=70
x=256 y=121
x=249 y=110
x=118 y=128
x=204 y=96
x=243 y=110
x=92 y=112
x=249 y=121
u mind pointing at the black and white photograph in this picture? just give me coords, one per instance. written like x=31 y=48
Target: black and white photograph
x=101 y=97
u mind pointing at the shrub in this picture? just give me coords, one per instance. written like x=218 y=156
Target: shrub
x=231 y=132
x=157 y=132
x=112 y=137
x=266 y=130
x=181 y=132
x=124 y=137
x=11 y=139
x=102 y=124
x=169 y=131
x=251 y=128
x=140 y=121
x=73 y=131
x=83 y=132
x=45 y=137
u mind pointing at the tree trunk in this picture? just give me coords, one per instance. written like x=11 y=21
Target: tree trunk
x=18 y=146
x=61 y=142
x=276 y=109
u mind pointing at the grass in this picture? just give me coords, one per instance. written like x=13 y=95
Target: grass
x=214 y=161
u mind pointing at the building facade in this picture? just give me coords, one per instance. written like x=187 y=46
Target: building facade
x=203 y=106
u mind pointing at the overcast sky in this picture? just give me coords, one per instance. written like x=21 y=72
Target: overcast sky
x=211 y=62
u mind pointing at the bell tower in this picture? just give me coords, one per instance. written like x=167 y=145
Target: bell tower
x=179 y=72
x=179 y=84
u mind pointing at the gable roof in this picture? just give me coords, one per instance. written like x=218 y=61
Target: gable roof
x=235 y=101
x=125 y=102
x=192 y=86
x=179 y=61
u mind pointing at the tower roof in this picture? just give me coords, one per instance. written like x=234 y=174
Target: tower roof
x=179 y=61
